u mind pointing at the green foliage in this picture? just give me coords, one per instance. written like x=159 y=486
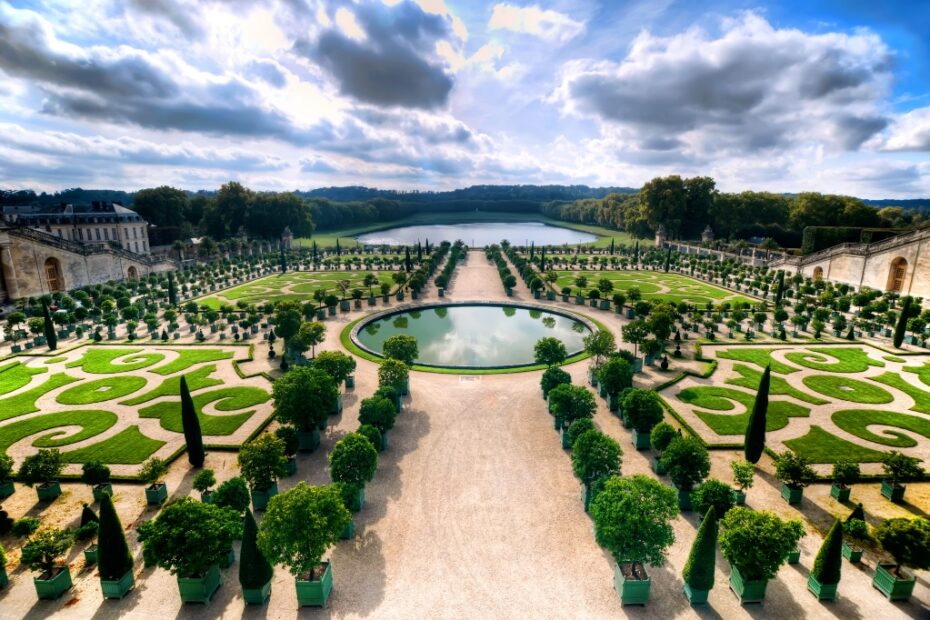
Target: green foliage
x=901 y=326
x=754 y=441
x=595 y=456
x=849 y=359
x=353 y=460
x=401 y=347
x=578 y=428
x=616 y=374
x=794 y=470
x=371 y=433
x=743 y=474
x=232 y=494
x=829 y=561
x=94 y=473
x=857 y=421
x=662 y=434
x=378 y=412
x=191 y=425
x=857 y=530
x=552 y=378
x=336 y=364
x=152 y=471
x=699 y=568
x=6 y=466
x=851 y=390
x=225 y=399
x=712 y=495
x=288 y=434
x=550 y=351
x=686 y=461
x=42 y=467
x=254 y=568
x=899 y=467
x=25 y=526
x=300 y=525
x=632 y=519
x=757 y=542
x=392 y=373
x=188 y=537
x=846 y=472
x=907 y=540
x=44 y=548
x=100 y=390
x=127 y=447
x=304 y=397
x=204 y=480
x=287 y=320
x=572 y=402
x=643 y=409
x=262 y=461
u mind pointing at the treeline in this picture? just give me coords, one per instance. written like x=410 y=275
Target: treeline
x=67 y=196
x=486 y=194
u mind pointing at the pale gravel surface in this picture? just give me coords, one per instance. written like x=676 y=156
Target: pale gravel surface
x=474 y=513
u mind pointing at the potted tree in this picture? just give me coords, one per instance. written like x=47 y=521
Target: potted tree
x=191 y=539
x=743 y=474
x=844 y=473
x=856 y=534
x=615 y=375
x=353 y=462
x=372 y=434
x=595 y=456
x=288 y=434
x=156 y=491
x=643 y=409
x=380 y=413
x=578 y=428
x=756 y=543
x=41 y=554
x=908 y=542
x=795 y=473
x=255 y=571
x=712 y=495
x=898 y=468
x=662 y=434
x=568 y=403
x=4 y=578
x=304 y=398
x=43 y=469
x=825 y=575
x=395 y=374
x=203 y=482
x=698 y=573
x=339 y=366
x=552 y=378
x=687 y=463
x=232 y=494
x=6 y=476
x=97 y=475
x=87 y=530
x=298 y=527
x=114 y=562
x=262 y=462
x=632 y=520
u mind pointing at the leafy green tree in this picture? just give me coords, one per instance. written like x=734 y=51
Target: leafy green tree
x=392 y=373
x=152 y=471
x=595 y=456
x=262 y=461
x=401 y=347
x=829 y=560
x=900 y=467
x=599 y=344
x=794 y=470
x=44 y=548
x=336 y=364
x=204 y=480
x=232 y=494
x=379 y=412
x=754 y=442
x=571 y=402
x=161 y=206
x=686 y=461
x=757 y=542
x=616 y=374
x=661 y=435
x=643 y=408
x=907 y=540
x=93 y=473
x=113 y=557
x=371 y=433
x=191 y=425
x=287 y=321
x=552 y=378
x=635 y=332
x=42 y=467
x=698 y=573
x=712 y=495
x=353 y=460
x=304 y=397
x=310 y=334
x=550 y=351
x=254 y=568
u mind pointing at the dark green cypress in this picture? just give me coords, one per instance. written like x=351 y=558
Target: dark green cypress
x=338 y=248
x=829 y=559
x=636 y=254
x=314 y=251
x=699 y=569
x=51 y=338
x=407 y=265
x=419 y=252
x=254 y=569
x=857 y=513
x=668 y=259
x=780 y=291
x=755 y=428
x=88 y=515
x=611 y=247
x=283 y=262
x=192 y=435
x=901 y=327
x=113 y=557
x=172 y=290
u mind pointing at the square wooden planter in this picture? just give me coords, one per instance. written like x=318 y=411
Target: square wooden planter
x=840 y=493
x=54 y=587
x=308 y=441
x=566 y=441
x=117 y=589
x=100 y=489
x=261 y=497
x=823 y=591
x=747 y=591
x=792 y=495
x=684 y=500
x=6 y=489
x=794 y=557
x=90 y=555
x=315 y=593
x=48 y=491
x=156 y=494
x=895 y=588
x=257 y=596
x=739 y=498
x=349 y=532
x=657 y=465
x=852 y=553
x=640 y=440
x=200 y=589
x=632 y=592
x=696 y=597
x=894 y=492
x=290 y=467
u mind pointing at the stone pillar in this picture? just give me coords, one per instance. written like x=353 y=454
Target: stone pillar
x=9 y=270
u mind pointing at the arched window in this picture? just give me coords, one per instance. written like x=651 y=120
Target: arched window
x=132 y=273
x=818 y=273
x=53 y=276
x=897 y=274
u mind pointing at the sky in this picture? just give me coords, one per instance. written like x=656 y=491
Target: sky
x=820 y=95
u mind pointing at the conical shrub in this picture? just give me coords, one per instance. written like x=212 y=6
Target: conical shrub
x=755 y=428
x=829 y=559
x=699 y=569
x=254 y=568
x=192 y=434
x=113 y=557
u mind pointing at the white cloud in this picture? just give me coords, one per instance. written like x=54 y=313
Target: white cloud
x=909 y=132
x=549 y=25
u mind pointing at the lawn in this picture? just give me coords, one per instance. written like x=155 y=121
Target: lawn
x=15 y=375
x=858 y=421
x=722 y=399
x=100 y=390
x=127 y=447
x=851 y=390
x=819 y=446
x=669 y=287
x=227 y=399
x=848 y=359
x=99 y=360
x=92 y=423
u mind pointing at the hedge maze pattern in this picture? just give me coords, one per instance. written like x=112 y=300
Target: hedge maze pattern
x=668 y=287
x=294 y=286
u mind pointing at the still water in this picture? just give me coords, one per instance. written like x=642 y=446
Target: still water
x=479 y=234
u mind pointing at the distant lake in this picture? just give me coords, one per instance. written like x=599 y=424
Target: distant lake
x=479 y=234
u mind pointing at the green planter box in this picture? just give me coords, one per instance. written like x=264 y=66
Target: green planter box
x=602 y=391
x=794 y=557
x=344 y=306
x=358 y=500
x=895 y=588
x=823 y=591
x=117 y=589
x=350 y=382
x=384 y=442
x=657 y=465
x=696 y=597
x=291 y=467
x=50 y=589
x=792 y=495
x=261 y=497
x=331 y=310
x=349 y=532
x=747 y=591
x=4 y=578
x=684 y=500
x=840 y=494
x=48 y=491
x=200 y=589
x=613 y=403
x=557 y=423
x=100 y=489
x=852 y=553
x=739 y=498
x=6 y=489
x=550 y=296
x=90 y=555
x=229 y=560
x=400 y=296
x=586 y=495
x=894 y=492
x=632 y=592
x=315 y=593
x=640 y=440
x=320 y=314
x=206 y=497
x=308 y=441
x=257 y=596
x=566 y=441
x=156 y=494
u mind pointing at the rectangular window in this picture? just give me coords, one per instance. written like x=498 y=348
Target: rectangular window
x=106 y=234
x=136 y=243
x=115 y=236
x=98 y=233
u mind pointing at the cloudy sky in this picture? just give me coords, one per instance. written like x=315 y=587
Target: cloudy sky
x=819 y=95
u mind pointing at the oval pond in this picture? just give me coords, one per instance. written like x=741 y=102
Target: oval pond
x=479 y=234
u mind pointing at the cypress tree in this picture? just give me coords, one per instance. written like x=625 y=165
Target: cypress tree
x=283 y=262
x=254 y=569
x=172 y=290
x=857 y=513
x=668 y=259
x=113 y=557
x=407 y=259
x=699 y=569
x=88 y=516
x=338 y=248
x=314 y=251
x=51 y=338
x=755 y=428
x=419 y=252
x=636 y=253
x=611 y=247
x=901 y=327
x=192 y=435
x=829 y=559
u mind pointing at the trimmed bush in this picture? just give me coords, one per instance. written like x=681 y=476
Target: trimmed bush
x=686 y=461
x=754 y=442
x=552 y=378
x=254 y=569
x=232 y=494
x=643 y=409
x=662 y=434
x=757 y=542
x=702 y=559
x=712 y=495
x=595 y=456
x=113 y=557
x=353 y=460
x=829 y=560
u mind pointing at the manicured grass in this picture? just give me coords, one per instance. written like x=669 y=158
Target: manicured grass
x=55 y=360
x=922 y=372
x=921 y=398
x=819 y=446
x=669 y=287
x=127 y=447
x=894 y=358
x=722 y=399
x=25 y=402
x=15 y=375
x=91 y=422
x=100 y=390
x=99 y=361
x=857 y=421
x=192 y=357
x=226 y=399
x=849 y=360
x=851 y=390
x=750 y=377
x=171 y=386
x=759 y=356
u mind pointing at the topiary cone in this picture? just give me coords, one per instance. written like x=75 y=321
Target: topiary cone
x=901 y=326
x=191 y=424
x=51 y=338
x=829 y=559
x=754 y=442
x=254 y=568
x=113 y=557
x=699 y=569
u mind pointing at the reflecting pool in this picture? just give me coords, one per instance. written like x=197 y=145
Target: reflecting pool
x=479 y=234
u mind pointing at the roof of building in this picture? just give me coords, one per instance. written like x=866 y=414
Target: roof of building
x=70 y=212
